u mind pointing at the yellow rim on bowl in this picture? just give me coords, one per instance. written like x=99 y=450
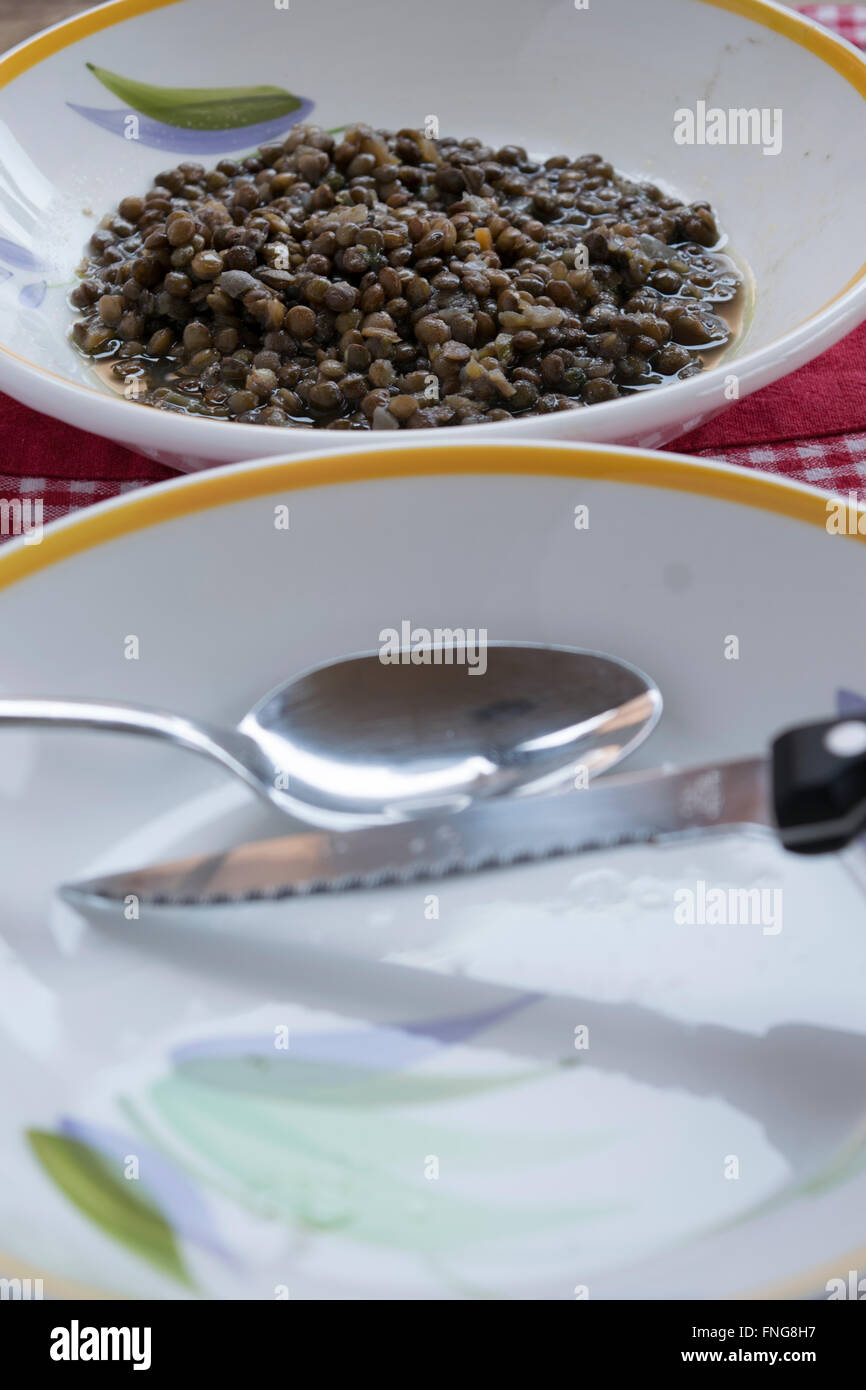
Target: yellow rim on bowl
x=199 y=492
x=834 y=51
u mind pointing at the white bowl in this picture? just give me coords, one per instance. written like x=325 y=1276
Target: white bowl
x=553 y=77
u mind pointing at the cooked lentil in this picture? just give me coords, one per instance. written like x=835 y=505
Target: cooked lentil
x=384 y=280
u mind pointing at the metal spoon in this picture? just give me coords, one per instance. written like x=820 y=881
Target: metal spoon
x=360 y=742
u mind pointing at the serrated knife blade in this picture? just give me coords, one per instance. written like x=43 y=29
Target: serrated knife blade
x=616 y=810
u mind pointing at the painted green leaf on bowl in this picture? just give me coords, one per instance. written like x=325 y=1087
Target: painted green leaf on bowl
x=111 y=1202
x=200 y=108
x=317 y=1083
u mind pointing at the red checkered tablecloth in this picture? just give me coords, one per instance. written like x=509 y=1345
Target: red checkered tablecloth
x=847 y=20
x=810 y=426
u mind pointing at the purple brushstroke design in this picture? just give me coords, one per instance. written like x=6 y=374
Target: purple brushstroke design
x=159 y=136
x=32 y=295
x=5 y=274
x=179 y=1202
x=385 y=1047
x=19 y=256
x=847 y=702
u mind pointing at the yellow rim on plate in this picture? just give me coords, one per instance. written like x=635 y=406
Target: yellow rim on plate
x=834 y=51
x=200 y=492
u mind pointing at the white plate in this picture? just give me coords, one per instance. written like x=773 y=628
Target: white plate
x=552 y=76
x=710 y=1139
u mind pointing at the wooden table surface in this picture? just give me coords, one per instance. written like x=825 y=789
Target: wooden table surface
x=21 y=18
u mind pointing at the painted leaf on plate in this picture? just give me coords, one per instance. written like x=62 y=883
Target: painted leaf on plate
x=16 y=255
x=200 y=108
x=32 y=295
x=110 y=1202
x=311 y=1166
x=315 y=1083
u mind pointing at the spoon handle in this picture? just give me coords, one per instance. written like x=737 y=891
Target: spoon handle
x=232 y=749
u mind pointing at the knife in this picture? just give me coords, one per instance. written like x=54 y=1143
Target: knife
x=810 y=791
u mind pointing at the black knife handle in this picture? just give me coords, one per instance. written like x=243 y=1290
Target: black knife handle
x=819 y=785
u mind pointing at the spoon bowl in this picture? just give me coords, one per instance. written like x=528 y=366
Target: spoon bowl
x=374 y=741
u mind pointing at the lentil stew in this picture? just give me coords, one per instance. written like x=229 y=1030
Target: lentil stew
x=380 y=280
